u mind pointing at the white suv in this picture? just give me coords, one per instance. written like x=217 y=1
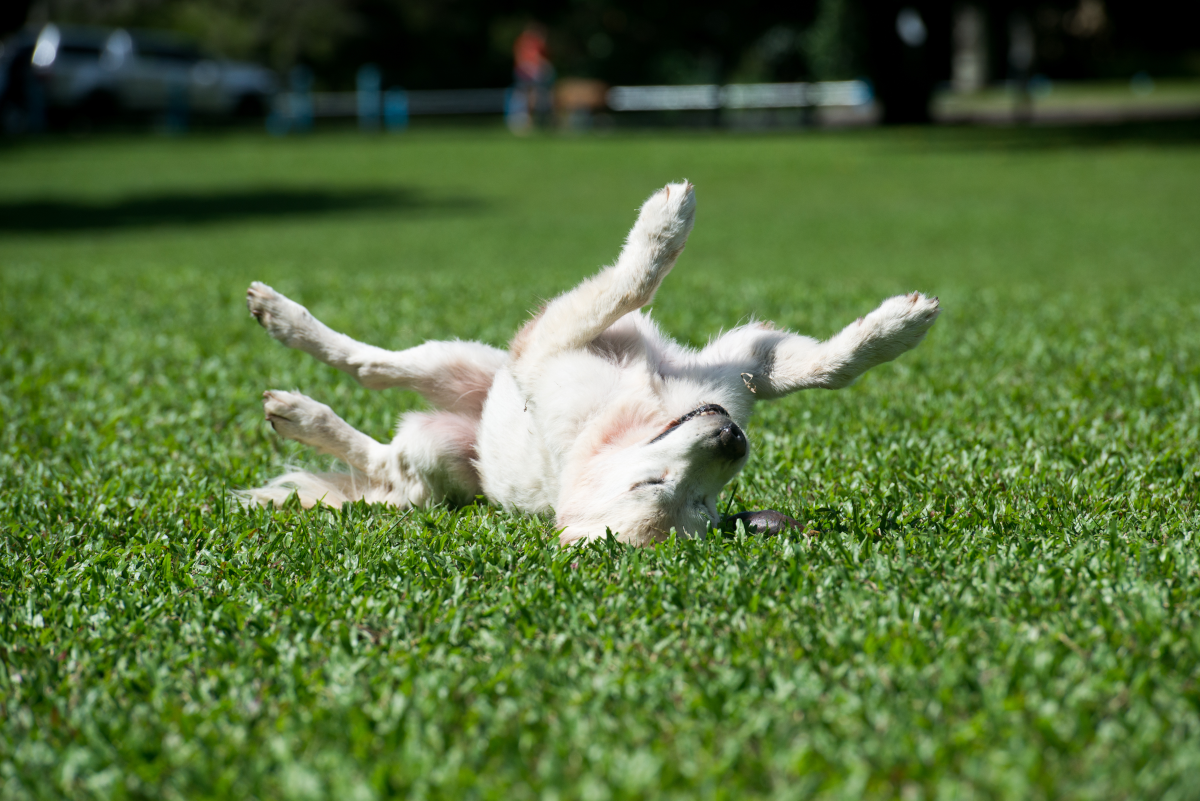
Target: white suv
x=59 y=73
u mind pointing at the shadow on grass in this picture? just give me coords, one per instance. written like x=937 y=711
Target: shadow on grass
x=183 y=208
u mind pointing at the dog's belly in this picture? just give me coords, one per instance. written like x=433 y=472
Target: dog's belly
x=523 y=443
x=514 y=464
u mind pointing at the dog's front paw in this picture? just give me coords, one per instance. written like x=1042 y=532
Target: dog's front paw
x=283 y=318
x=294 y=416
x=904 y=319
x=667 y=218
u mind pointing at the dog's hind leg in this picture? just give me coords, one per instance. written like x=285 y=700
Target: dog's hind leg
x=452 y=375
x=300 y=418
x=431 y=458
x=572 y=320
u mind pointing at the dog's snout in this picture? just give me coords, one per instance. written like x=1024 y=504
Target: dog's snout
x=733 y=445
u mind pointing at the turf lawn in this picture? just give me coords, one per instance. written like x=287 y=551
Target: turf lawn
x=998 y=596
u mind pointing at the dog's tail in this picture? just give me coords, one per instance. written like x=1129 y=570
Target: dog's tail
x=312 y=489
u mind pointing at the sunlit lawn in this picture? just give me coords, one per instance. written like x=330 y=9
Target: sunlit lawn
x=1000 y=599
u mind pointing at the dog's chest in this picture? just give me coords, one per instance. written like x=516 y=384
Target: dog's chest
x=524 y=441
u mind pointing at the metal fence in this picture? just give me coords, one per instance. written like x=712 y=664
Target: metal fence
x=374 y=108
x=738 y=96
x=427 y=102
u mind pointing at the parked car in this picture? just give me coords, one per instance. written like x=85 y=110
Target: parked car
x=59 y=74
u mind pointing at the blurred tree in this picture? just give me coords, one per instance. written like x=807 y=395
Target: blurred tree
x=834 y=43
x=468 y=43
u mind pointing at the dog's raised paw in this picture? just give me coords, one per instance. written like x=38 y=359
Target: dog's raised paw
x=668 y=215
x=258 y=300
x=912 y=309
x=275 y=312
x=900 y=323
x=292 y=415
x=278 y=408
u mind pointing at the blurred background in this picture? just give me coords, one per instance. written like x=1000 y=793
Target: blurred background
x=80 y=64
x=1007 y=582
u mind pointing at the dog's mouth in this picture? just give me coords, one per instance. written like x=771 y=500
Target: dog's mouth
x=702 y=411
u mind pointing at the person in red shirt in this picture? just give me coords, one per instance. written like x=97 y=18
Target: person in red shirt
x=533 y=75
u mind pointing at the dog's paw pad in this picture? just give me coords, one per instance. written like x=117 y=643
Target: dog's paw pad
x=278 y=405
x=667 y=217
x=902 y=321
x=259 y=298
x=292 y=415
x=928 y=308
x=274 y=312
x=914 y=305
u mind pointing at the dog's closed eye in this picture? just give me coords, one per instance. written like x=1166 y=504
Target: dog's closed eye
x=650 y=482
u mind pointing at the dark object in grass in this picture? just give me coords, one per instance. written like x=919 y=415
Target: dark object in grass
x=767 y=522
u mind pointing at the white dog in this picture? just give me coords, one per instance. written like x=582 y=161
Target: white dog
x=593 y=414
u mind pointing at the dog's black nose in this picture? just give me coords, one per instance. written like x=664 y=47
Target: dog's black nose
x=732 y=441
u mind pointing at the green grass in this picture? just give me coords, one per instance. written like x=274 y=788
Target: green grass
x=1180 y=94
x=1002 y=600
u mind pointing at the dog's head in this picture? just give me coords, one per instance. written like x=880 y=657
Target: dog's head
x=639 y=474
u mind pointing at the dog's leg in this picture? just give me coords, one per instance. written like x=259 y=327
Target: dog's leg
x=437 y=449
x=451 y=375
x=572 y=320
x=429 y=460
x=769 y=364
x=300 y=418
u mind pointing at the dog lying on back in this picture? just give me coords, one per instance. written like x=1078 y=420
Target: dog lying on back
x=593 y=414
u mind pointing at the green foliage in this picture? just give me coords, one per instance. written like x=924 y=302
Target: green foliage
x=999 y=591
x=834 y=43
x=439 y=44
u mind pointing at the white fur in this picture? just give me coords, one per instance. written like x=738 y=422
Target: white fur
x=577 y=418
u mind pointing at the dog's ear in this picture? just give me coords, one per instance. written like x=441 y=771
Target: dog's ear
x=766 y=522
